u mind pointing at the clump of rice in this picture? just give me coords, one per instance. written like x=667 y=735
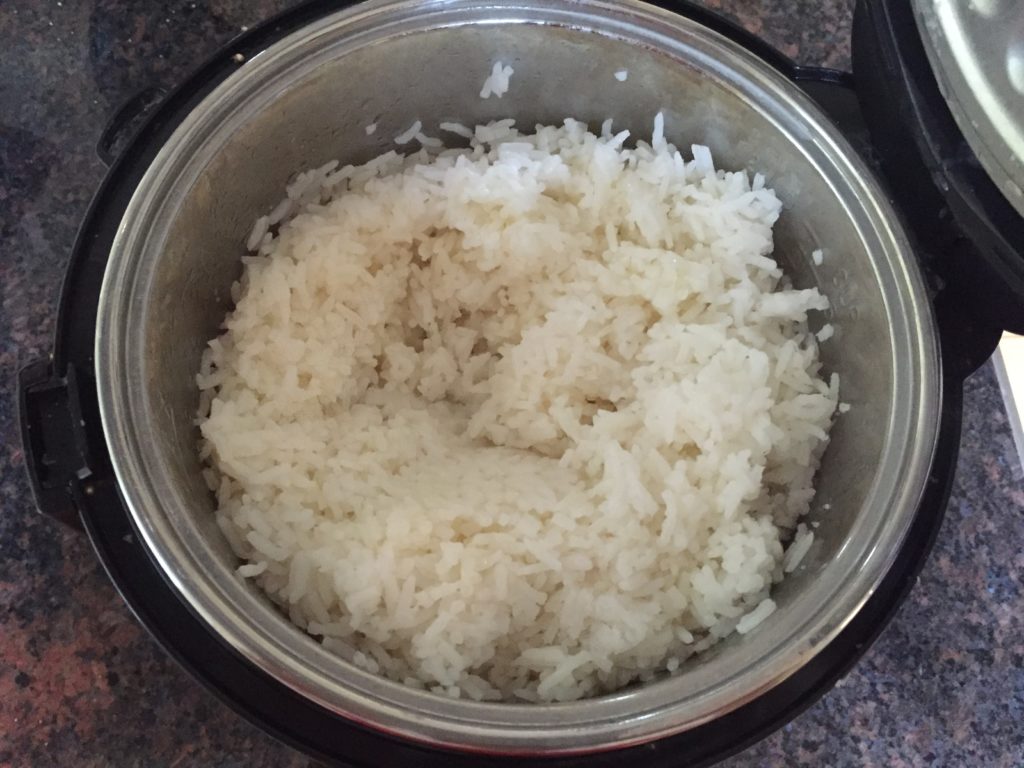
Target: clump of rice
x=496 y=82
x=526 y=420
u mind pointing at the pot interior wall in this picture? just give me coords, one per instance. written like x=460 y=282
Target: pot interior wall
x=437 y=75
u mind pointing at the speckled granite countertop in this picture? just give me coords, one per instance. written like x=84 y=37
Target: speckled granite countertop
x=81 y=684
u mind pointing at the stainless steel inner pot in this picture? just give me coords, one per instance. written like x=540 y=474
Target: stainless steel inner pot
x=306 y=100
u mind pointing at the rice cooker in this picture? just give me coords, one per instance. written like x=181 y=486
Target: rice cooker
x=907 y=173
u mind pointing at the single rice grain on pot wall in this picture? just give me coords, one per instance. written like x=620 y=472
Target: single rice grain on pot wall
x=497 y=81
x=528 y=420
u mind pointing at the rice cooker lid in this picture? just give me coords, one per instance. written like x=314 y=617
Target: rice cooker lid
x=941 y=84
x=976 y=50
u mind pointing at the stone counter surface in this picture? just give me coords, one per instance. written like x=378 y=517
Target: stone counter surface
x=82 y=684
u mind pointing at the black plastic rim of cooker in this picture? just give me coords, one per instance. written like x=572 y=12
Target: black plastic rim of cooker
x=72 y=480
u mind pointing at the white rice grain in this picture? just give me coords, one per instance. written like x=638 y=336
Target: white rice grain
x=249 y=570
x=798 y=548
x=259 y=229
x=763 y=610
x=457 y=128
x=428 y=141
x=658 y=136
x=409 y=133
x=497 y=82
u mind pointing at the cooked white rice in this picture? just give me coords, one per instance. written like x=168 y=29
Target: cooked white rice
x=751 y=620
x=526 y=420
x=798 y=549
x=428 y=141
x=622 y=75
x=409 y=133
x=497 y=82
x=458 y=129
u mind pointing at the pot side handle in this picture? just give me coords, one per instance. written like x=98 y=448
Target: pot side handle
x=61 y=462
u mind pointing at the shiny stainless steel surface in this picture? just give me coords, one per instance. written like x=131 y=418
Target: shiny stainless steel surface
x=306 y=100
x=976 y=48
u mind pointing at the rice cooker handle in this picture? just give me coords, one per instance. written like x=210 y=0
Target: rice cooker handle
x=63 y=463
